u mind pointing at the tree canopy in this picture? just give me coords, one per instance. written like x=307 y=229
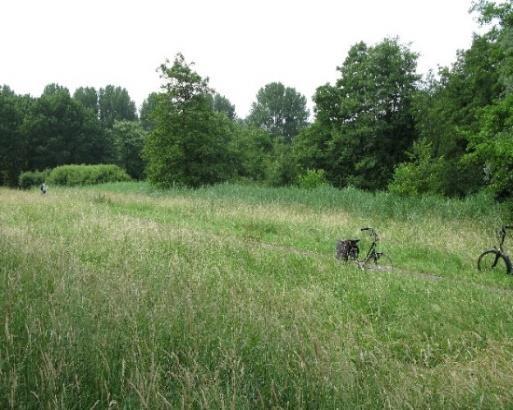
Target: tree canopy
x=365 y=121
x=279 y=110
x=189 y=144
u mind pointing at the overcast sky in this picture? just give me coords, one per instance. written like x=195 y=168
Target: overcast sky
x=240 y=45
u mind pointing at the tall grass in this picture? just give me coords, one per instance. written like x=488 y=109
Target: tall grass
x=119 y=296
x=387 y=205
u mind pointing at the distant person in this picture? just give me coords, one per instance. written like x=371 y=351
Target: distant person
x=43 y=189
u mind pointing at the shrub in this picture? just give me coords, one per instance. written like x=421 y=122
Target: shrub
x=281 y=168
x=29 y=179
x=419 y=176
x=312 y=178
x=71 y=175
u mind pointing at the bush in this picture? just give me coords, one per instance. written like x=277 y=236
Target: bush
x=281 y=168
x=29 y=179
x=419 y=176
x=312 y=178
x=71 y=175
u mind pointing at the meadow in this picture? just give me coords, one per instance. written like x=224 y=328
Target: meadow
x=123 y=296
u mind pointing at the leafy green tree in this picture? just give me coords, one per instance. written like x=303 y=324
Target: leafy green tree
x=148 y=109
x=281 y=169
x=312 y=149
x=88 y=97
x=60 y=130
x=491 y=149
x=128 y=138
x=422 y=174
x=448 y=109
x=500 y=16
x=115 y=104
x=253 y=148
x=12 y=141
x=190 y=143
x=364 y=122
x=222 y=104
x=279 y=110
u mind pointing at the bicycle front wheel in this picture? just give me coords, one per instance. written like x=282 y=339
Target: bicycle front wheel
x=494 y=261
x=380 y=262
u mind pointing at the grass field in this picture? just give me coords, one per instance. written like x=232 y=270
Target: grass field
x=119 y=296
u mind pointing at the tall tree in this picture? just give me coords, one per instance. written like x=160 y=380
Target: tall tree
x=13 y=143
x=279 y=110
x=60 y=131
x=189 y=144
x=88 y=97
x=128 y=138
x=452 y=111
x=490 y=143
x=147 y=113
x=115 y=104
x=222 y=104
x=253 y=148
x=365 y=120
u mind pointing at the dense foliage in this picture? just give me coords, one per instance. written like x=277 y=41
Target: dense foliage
x=128 y=138
x=71 y=175
x=378 y=126
x=190 y=142
x=30 y=179
x=364 y=122
x=279 y=110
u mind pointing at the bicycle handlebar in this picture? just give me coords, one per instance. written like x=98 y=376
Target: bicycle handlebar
x=372 y=232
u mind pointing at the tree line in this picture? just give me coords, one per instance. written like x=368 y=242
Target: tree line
x=379 y=126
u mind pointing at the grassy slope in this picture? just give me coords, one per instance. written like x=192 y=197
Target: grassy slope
x=230 y=296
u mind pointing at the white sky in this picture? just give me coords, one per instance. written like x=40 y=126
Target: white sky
x=240 y=45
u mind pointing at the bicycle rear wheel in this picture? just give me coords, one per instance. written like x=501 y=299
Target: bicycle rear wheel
x=494 y=261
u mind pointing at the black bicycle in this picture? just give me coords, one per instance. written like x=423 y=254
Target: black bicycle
x=495 y=259
x=373 y=256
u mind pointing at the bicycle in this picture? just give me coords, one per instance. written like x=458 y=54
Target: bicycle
x=372 y=254
x=348 y=250
x=495 y=259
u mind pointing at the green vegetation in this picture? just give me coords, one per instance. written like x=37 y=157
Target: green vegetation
x=279 y=110
x=30 y=179
x=189 y=143
x=379 y=126
x=71 y=175
x=229 y=296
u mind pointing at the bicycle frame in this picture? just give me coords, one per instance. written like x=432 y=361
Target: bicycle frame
x=371 y=253
x=501 y=233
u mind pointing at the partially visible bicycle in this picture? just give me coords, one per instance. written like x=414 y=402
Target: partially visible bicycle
x=373 y=256
x=495 y=259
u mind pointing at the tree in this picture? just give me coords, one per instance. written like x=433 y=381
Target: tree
x=190 y=143
x=88 y=97
x=491 y=149
x=448 y=109
x=12 y=141
x=279 y=110
x=115 y=104
x=128 y=138
x=253 y=148
x=311 y=149
x=148 y=108
x=59 y=130
x=490 y=143
x=223 y=105
x=365 y=120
